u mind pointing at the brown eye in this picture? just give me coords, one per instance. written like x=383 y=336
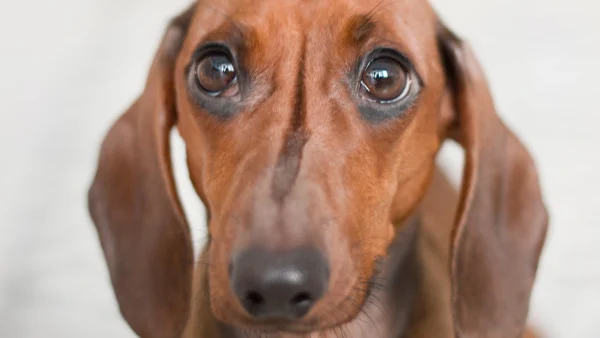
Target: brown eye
x=386 y=79
x=216 y=75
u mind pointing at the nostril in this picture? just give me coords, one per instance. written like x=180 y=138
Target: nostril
x=254 y=298
x=301 y=303
x=301 y=298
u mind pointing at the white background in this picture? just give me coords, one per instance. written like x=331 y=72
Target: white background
x=69 y=67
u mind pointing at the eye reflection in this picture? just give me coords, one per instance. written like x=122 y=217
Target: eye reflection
x=215 y=74
x=385 y=79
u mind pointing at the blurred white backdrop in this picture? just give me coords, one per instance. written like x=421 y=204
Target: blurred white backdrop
x=68 y=68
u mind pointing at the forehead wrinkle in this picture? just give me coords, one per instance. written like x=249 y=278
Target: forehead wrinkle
x=231 y=33
x=220 y=22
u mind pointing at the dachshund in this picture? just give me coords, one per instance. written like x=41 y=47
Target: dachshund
x=311 y=131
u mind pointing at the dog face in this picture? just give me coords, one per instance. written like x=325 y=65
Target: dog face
x=311 y=132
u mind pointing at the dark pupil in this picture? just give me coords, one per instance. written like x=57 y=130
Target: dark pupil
x=385 y=79
x=215 y=73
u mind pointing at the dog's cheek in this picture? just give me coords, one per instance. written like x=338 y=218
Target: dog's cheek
x=409 y=193
x=221 y=296
x=415 y=163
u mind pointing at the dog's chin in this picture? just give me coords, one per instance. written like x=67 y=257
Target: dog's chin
x=293 y=329
x=336 y=317
x=287 y=329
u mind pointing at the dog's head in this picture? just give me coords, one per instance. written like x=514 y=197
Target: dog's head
x=311 y=129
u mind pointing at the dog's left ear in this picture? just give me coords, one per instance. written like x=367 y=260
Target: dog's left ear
x=501 y=222
x=134 y=204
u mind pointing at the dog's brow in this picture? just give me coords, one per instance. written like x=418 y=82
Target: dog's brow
x=233 y=33
x=359 y=28
x=242 y=31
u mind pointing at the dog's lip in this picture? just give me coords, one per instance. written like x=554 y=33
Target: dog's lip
x=311 y=325
x=281 y=325
x=290 y=327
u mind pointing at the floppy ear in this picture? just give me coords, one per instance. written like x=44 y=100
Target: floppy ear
x=501 y=222
x=135 y=208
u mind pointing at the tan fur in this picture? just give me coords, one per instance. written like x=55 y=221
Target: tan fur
x=295 y=163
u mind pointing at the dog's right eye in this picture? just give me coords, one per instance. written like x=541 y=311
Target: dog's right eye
x=216 y=75
x=386 y=80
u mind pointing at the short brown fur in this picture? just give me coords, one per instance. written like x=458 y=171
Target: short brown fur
x=297 y=166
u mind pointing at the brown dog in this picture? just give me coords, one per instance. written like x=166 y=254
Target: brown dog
x=312 y=129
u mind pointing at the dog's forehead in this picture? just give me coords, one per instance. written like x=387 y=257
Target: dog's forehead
x=277 y=24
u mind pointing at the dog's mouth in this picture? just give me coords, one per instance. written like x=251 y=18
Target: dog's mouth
x=361 y=291
x=363 y=297
x=333 y=319
x=364 y=309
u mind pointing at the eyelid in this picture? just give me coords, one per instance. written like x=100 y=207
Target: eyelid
x=404 y=94
x=210 y=47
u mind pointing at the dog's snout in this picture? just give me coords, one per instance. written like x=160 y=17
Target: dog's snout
x=279 y=285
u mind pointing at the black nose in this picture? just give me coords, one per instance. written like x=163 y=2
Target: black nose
x=279 y=285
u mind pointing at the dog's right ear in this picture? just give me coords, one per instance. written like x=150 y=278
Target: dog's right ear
x=501 y=222
x=134 y=204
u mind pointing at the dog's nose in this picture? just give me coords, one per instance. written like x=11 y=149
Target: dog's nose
x=279 y=285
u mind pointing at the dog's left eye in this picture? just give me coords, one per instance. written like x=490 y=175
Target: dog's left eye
x=385 y=80
x=216 y=75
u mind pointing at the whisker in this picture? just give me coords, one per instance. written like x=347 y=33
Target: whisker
x=370 y=319
x=377 y=8
x=370 y=14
